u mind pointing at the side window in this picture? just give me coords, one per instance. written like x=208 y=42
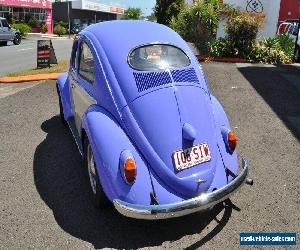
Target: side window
x=86 y=63
x=5 y=23
x=73 y=56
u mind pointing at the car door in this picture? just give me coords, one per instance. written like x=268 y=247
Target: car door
x=6 y=32
x=82 y=81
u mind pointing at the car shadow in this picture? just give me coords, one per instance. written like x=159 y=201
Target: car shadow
x=279 y=86
x=60 y=180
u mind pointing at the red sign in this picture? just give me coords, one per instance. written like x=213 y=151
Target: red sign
x=44 y=4
x=115 y=9
x=289 y=10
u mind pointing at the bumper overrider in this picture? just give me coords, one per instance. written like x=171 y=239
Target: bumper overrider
x=200 y=203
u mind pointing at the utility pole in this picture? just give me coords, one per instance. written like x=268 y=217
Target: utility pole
x=69 y=22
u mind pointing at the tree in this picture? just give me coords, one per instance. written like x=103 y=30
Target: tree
x=133 y=13
x=165 y=10
x=151 y=18
x=198 y=23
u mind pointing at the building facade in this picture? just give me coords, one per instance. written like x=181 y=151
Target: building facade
x=274 y=12
x=269 y=10
x=19 y=10
x=85 y=12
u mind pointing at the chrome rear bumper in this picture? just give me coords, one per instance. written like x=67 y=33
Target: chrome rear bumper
x=202 y=202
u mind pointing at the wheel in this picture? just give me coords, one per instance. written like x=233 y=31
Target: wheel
x=98 y=196
x=3 y=43
x=17 y=39
x=61 y=112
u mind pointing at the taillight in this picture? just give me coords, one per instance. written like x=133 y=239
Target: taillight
x=130 y=170
x=231 y=138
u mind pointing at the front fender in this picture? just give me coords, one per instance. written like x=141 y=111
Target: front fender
x=64 y=93
x=108 y=140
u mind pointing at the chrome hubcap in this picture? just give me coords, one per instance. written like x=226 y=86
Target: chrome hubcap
x=91 y=169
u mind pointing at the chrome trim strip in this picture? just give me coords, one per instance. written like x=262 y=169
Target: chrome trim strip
x=202 y=202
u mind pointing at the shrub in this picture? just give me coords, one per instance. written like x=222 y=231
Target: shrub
x=242 y=29
x=198 y=23
x=33 y=22
x=271 y=43
x=44 y=28
x=287 y=44
x=262 y=54
x=64 y=24
x=222 y=48
x=22 y=27
x=59 y=30
x=268 y=50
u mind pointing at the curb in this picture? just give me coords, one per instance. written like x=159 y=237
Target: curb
x=42 y=36
x=29 y=78
x=222 y=59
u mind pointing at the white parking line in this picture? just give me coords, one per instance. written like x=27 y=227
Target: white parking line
x=14 y=88
x=25 y=49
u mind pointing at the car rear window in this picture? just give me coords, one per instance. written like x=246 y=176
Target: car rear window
x=157 y=57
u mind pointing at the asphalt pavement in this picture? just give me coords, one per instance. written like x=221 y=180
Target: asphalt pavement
x=15 y=58
x=44 y=202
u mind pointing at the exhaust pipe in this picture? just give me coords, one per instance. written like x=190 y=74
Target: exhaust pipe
x=249 y=181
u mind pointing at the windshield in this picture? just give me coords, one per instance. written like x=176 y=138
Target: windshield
x=158 y=56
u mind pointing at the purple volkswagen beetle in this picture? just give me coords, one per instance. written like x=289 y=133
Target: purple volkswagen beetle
x=155 y=142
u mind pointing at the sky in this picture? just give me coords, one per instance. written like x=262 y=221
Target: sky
x=145 y=5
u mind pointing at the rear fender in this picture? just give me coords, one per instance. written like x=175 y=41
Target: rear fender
x=108 y=141
x=64 y=93
x=229 y=159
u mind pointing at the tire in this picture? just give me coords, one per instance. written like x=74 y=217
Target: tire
x=61 y=112
x=98 y=196
x=3 y=43
x=17 y=39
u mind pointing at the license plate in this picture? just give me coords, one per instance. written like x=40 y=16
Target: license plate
x=190 y=157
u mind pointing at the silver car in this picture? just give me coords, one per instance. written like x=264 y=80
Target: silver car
x=8 y=34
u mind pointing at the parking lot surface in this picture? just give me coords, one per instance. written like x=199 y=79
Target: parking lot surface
x=23 y=56
x=43 y=189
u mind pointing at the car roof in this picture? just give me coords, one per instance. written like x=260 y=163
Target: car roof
x=124 y=35
x=114 y=40
x=119 y=37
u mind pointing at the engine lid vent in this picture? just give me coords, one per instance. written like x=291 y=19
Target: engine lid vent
x=185 y=75
x=149 y=80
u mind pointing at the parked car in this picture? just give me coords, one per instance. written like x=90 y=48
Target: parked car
x=155 y=141
x=290 y=28
x=8 y=34
x=76 y=29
